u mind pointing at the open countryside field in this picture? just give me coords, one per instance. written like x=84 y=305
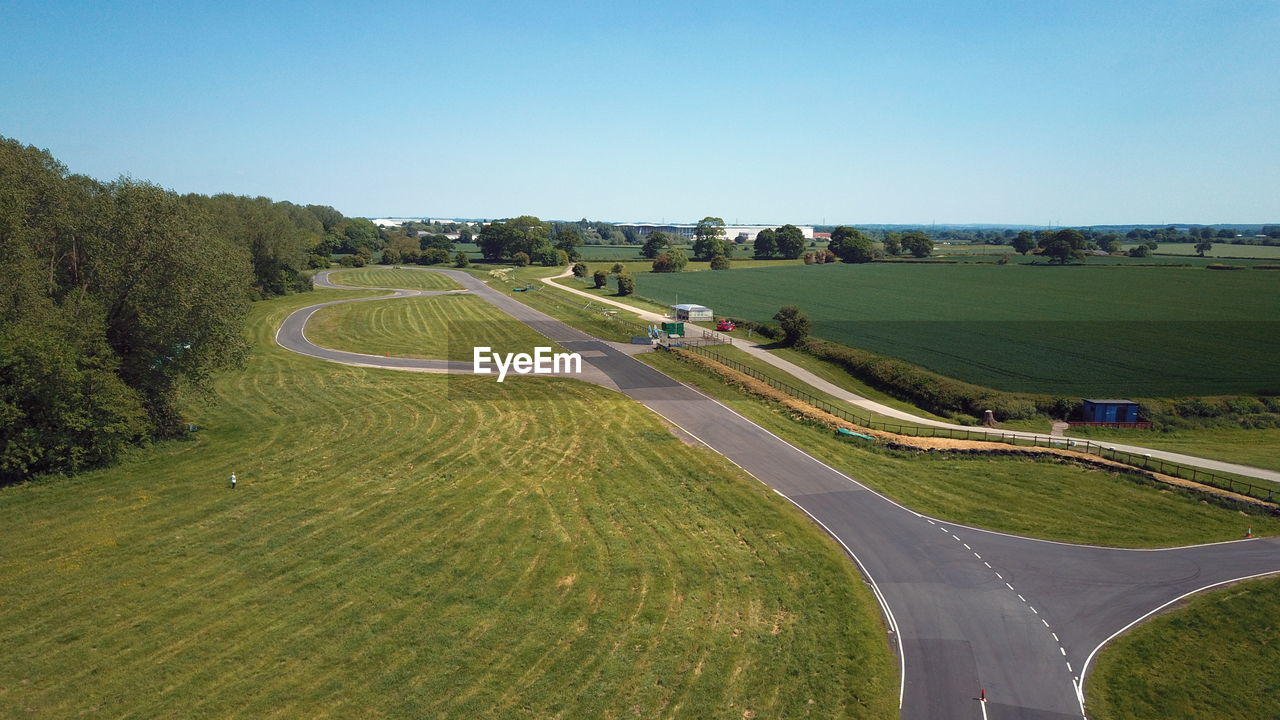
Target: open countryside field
x=1214 y=658
x=395 y=549
x=444 y=327
x=1076 y=330
x=389 y=277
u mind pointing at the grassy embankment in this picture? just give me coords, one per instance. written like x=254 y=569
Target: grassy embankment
x=1260 y=448
x=406 y=545
x=1213 y=658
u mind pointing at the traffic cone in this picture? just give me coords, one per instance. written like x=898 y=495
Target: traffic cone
x=982 y=695
x=1249 y=533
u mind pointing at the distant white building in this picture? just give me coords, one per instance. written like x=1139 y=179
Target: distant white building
x=735 y=233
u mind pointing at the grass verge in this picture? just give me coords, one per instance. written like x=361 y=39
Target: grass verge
x=1213 y=658
x=390 y=277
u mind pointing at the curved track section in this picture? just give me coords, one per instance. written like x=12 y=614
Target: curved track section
x=966 y=609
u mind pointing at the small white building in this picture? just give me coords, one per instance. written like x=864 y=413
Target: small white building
x=692 y=313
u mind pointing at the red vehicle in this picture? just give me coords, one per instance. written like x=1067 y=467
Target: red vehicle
x=725 y=325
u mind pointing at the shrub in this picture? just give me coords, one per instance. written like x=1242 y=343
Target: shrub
x=579 y=270
x=461 y=260
x=626 y=284
x=794 y=323
x=600 y=277
x=719 y=262
x=520 y=259
x=617 y=269
x=434 y=256
x=809 y=258
x=390 y=256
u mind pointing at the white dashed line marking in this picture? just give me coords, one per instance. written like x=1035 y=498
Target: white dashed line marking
x=1021 y=598
x=1064 y=652
x=966 y=545
x=1033 y=609
x=1055 y=637
x=1009 y=586
x=1046 y=622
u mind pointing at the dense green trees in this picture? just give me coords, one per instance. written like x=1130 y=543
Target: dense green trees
x=709 y=239
x=766 y=244
x=1062 y=246
x=1023 y=242
x=655 y=243
x=851 y=245
x=790 y=241
x=917 y=243
x=119 y=294
x=525 y=235
x=673 y=260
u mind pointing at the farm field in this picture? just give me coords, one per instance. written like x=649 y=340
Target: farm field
x=444 y=327
x=1221 y=250
x=1022 y=496
x=1085 y=331
x=382 y=276
x=985 y=254
x=396 y=549
x=1213 y=658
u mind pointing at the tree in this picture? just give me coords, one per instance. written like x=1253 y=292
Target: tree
x=1062 y=246
x=579 y=270
x=673 y=260
x=390 y=256
x=851 y=245
x=892 y=243
x=434 y=256
x=1140 y=251
x=1023 y=242
x=525 y=234
x=1203 y=247
x=766 y=244
x=617 y=269
x=794 y=323
x=654 y=243
x=917 y=243
x=520 y=259
x=600 y=277
x=626 y=284
x=435 y=241
x=719 y=262
x=461 y=260
x=568 y=240
x=709 y=239
x=790 y=241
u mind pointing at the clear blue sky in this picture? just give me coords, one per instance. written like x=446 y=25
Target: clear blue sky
x=1032 y=112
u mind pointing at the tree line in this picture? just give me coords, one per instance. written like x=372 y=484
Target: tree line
x=119 y=294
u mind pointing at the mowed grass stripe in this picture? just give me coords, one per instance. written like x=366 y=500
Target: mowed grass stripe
x=388 y=277
x=445 y=327
x=402 y=545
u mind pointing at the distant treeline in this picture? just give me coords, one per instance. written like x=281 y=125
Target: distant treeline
x=1100 y=236
x=119 y=294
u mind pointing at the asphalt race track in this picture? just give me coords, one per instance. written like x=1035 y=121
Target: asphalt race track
x=966 y=609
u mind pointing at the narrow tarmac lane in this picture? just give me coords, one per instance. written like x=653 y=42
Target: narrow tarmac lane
x=966 y=609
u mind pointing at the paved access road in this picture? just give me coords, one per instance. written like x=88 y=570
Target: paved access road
x=966 y=609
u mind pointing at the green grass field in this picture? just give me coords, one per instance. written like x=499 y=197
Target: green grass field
x=1215 y=657
x=1027 y=497
x=1260 y=448
x=445 y=327
x=1083 y=331
x=382 y=276
x=1221 y=250
x=406 y=545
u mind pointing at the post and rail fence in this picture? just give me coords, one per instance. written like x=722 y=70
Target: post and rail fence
x=1167 y=467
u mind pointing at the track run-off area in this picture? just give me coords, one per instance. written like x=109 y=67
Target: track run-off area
x=967 y=609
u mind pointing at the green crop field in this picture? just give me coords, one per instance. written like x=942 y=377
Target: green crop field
x=1214 y=658
x=1076 y=330
x=1221 y=250
x=390 y=277
x=444 y=327
x=406 y=545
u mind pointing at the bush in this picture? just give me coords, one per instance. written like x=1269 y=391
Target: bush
x=562 y=258
x=579 y=270
x=794 y=323
x=617 y=269
x=461 y=260
x=626 y=284
x=719 y=262
x=809 y=258
x=390 y=256
x=520 y=259
x=434 y=256
x=600 y=277
x=411 y=257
